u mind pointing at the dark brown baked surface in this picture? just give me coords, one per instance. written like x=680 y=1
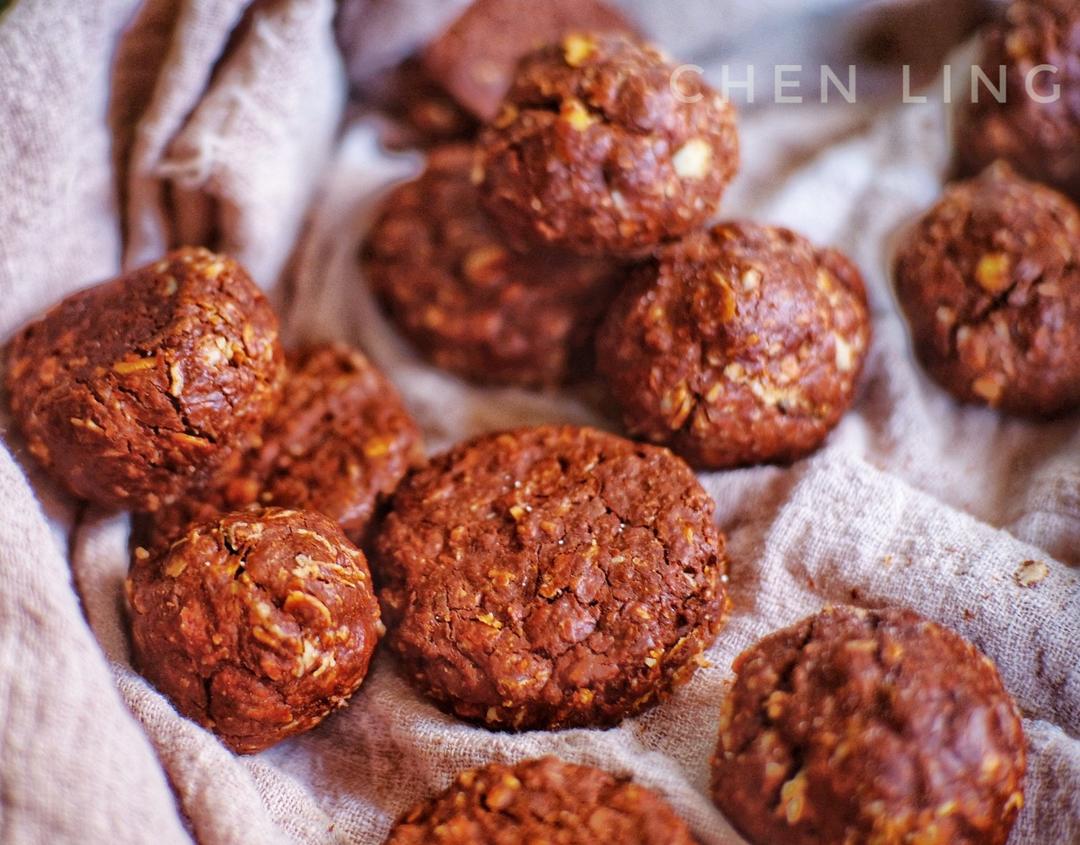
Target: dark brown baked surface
x=551 y=577
x=1040 y=139
x=425 y=114
x=990 y=282
x=541 y=801
x=475 y=57
x=860 y=726
x=737 y=345
x=467 y=301
x=598 y=150
x=256 y=624
x=338 y=443
x=131 y=391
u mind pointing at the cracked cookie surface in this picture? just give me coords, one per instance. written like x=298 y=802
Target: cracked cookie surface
x=859 y=726
x=989 y=280
x=130 y=391
x=551 y=577
x=737 y=345
x=256 y=624
x=602 y=148
x=470 y=303
x=544 y=800
x=338 y=443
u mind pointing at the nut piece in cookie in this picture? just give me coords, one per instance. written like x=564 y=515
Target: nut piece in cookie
x=544 y=800
x=470 y=303
x=990 y=282
x=1037 y=128
x=551 y=577
x=598 y=149
x=338 y=443
x=256 y=624
x=737 y=345
x=131 y=391
x=869 y=726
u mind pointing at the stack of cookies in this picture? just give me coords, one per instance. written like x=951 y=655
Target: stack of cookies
x=252 y=474
x=574 y=236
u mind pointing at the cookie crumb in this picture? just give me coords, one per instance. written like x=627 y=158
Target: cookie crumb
x=1031 y=573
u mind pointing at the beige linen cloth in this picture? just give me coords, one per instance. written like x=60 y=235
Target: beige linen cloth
x=126 y=127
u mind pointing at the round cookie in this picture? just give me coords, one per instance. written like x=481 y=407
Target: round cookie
x=1040 y=139
x=544 y=800
x=989 y=281
x=256 y=624
x=130 y=391
x=737 y=345
x=600 y=147
x=469 y=303
x=868 y=726
x=338 y=443
x=551 y=577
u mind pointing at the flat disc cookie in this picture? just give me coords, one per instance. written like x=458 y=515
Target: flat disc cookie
x=869 y=726
x=737 y=345
x=540 y=801
x=989 y=280
x=551 y=577
x=466 y=300
x=338 y=443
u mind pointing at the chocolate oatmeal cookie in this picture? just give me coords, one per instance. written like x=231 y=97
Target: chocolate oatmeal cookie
x=551 y=577
x=737 y=345
x=466 y=300
x=474 y=59
x=255 y=624
x=131 y=391
x=869 y=726
x=990 y=282
x=1037 y=128
x=424 y=114
x=600 y=148
x=338 y=443
x=537 y=801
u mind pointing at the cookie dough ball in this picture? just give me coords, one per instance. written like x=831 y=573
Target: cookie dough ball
x=475 y=58
x=256 y=624
x=869 y=726
x=466 y=300
x=551 y=577
x=1040 y=139
x=543 y=800
x=339 y=443
x=738 y=345
x=601 y=148
x=990 y=282
x=130 y=391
